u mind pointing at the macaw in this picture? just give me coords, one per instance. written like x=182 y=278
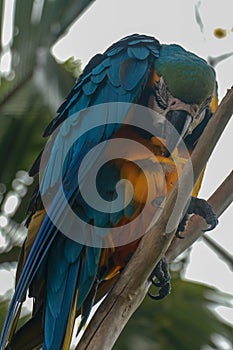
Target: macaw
x=66 y=277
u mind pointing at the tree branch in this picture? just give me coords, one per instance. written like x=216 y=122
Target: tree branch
x=223 y=254
x=220 y=201
x=131 y=288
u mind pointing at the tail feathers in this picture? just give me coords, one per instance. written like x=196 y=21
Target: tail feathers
x=98 y=291
x=86 y=308
x=14 y=323
x=70 y=325
x=29 y=336
x=56 y=332
x=88 y=273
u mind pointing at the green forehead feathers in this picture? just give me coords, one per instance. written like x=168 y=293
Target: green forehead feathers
x=187 y=76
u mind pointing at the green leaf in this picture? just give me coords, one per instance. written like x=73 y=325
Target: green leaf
x=184 y=320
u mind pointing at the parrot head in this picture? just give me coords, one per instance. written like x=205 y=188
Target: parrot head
x=183 y=90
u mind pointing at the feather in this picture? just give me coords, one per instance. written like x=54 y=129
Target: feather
x=141 y=53
x=132 y=73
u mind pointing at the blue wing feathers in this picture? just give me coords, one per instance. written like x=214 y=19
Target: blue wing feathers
x=141 y=53
x=89 y=88
x=97 y=79
x=99 y=69
x=54 y=340
x=88 y=273
x=118 y=50
x=132 y=72
x=114 y=51
x=63 y=270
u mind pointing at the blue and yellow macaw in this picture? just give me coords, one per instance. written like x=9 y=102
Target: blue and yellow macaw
x=66 y=277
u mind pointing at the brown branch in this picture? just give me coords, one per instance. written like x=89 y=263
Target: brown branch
x=131 y=288
x=220 y=201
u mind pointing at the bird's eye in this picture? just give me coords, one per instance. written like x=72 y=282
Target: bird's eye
x=161 y=95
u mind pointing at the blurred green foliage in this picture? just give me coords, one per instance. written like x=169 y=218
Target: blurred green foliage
x=185 y=320
x=30 y=93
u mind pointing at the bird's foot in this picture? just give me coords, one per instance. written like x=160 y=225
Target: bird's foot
x=161 y=273
x=199 y=207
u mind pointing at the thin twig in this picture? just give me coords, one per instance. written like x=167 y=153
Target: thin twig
x=132 y=286
x=223 y=254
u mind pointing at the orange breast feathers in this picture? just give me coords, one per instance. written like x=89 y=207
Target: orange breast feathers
x=155 y=176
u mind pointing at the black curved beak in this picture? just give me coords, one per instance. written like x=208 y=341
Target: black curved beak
x=180 y=120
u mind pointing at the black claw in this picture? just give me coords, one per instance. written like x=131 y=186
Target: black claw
x=161 y=273
x=177 y=234
x=163 y=292
x=182 y=226
x=212 y=226
x=202 y=208
x=156 y=284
